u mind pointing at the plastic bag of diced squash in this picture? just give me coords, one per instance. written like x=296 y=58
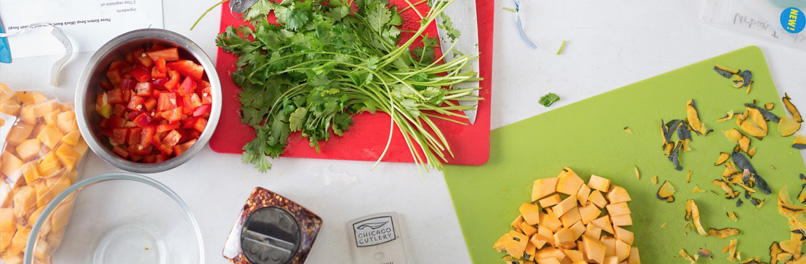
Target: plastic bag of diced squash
x=41 y=147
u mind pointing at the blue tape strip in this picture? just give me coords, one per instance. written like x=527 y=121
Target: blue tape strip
x=520 y=25
x=5 y=53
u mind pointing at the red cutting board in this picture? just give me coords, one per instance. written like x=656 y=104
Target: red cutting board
x=367 y=137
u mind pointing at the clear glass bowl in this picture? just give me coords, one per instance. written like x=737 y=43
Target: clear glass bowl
x=118 y=218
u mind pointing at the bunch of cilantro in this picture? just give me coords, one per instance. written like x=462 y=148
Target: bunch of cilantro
x=323 y=62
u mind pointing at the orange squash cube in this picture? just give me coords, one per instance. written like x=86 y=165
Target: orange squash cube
x=517 y=245
x=617 y=209
x=19 y=133
x=568 y=182
x=32 y=218
x=24 y=200
x=10 y=107
x=527 y=229
x=68 y=157
x=564 y=239
x=594 y=249
x=610 y=260
x=44 y=108
x=583 y=194
x=548 y=261
x=50 y=118
x=29 y=172
x=11 y=166
x=545 y=234
x=517 y=223
x=62 y=213
x=621 y=220
x=570 y=217
x=28 y=115
x=622 y=250
x=49 y=165
x=624 y=235
x=599 y=183
x=530 y=213
x=538 y=240
x=50 y=136
x=549 y=253
x=550 y=200
x=593 y=232
x=8 y=221
x=577 y=229
x=597 y=199
x=574 y=255
x=589 y=213
x=5 y=239
x=550 y=220
x=604 y=223
x=610 y=245
x=634 y=257
x=543 y=187
x=29 y=149
x=18 y=241
x=67 y=122
x=72 y=137
x=566 y=205
x=81 y=147
x=618 y=194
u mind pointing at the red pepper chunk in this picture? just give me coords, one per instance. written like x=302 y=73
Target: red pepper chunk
x=169 y=54
x=119 y=135
x=187 y=87
x=173 y=81
x=141 y=74
x=167 y=101
x=188 y=68
x=136 y=103
x=142 y=120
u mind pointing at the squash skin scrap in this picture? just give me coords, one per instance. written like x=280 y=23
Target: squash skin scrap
x=744 y=164
x=764 y=112
x=788 y=126
x=723 y=157
x=733 y=135
x=695 y=216
x=725 y=71
x=791 y=107
x=800 y=142
x=724 y=232
x=666 y=192
x=693 y=117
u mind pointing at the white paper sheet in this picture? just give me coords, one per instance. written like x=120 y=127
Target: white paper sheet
x=87 y=23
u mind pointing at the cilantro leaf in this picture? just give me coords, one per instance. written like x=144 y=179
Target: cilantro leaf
x=296 y=19
x=549 y=99
x=378 y=17
x=297 y=119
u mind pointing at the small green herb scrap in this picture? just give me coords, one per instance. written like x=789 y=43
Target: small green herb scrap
x=562 y=46
x=549 y=99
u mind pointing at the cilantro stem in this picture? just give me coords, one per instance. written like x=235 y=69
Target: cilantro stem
x=205 y=13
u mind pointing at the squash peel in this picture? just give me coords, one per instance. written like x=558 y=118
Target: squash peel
x=693 y=117
x=695 y=216
x=791 y=107
x=788 y=126
x=723 y=157
x=724 y=232
x=666 y=192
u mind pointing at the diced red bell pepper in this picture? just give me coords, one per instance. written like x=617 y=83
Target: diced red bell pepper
x=191 y=102
x=167 y=127
x=118 y=65
x=172 y=115
x=141 y=74
x=142 y=59
x=150 y=158
x=106 y=85
x=115 y=122
x=134 y=135
x=149 y=104
x=169 y=54
x=157 y=74
x=202 y=111
x=167 y=101
x=119 y=110
x=106 y=132
x=136 y=103
x=173 y=81
x=171 y=139
x=114 y=76
x=143 y=89
x=187 y=68
x=139 y=149
x=131 y=115
x=160 y=65
x=206 y=95
x=128 y=84
x=181 y=148
x=119 y=135
x=147 y=135
x=120 y=152
x=197 y=123
x=114 y=96
x=129 y=57
x=142 y=120
x=187 y=87
x=158 y=84
x=162 y=157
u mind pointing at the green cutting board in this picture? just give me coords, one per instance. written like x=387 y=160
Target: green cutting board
x=588 y=137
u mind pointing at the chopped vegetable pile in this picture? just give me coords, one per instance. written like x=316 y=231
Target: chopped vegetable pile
x=574 y=222
x=154 y=106
x=323 y=62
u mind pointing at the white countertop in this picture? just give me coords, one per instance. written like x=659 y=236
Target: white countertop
x=610 y=44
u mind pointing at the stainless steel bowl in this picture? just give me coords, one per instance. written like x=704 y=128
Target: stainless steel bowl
x=117 y=48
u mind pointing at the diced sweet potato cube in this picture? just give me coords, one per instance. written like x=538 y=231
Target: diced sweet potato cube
x=517 y=223
x=29 y=172
x=599 y=183
x=514 y=247
x=19 y=133
x=592 y=231
x=604 y=223
x=634 y=258
x=622 y=250
x=68 y=157
x=624 y=235
x=72 y=137
x=577 y=229
x=618 y=194
x=62 y=214
x=538 y=240
x=24 y=200
x=527 y=229
x=49 y=165
x=28 y=149
x=583 y=194
x=67 y=122
x=545 y=234
x=566 y=205
x=50 y=136
x=588 y=213
x=8 y=221
x=28 y=115
x=550 y=220
x=550 y=200
x=548 y=261
x=598 y=199
x=569 y=182
x=617 y=209
x=570 y=217
x=564 y=239
x=549 y=252
x=621 y=220
x=574 y=255
x=530 y=213
x=543 y=187
x=5 y=239
x=11 y=166
x=610 y=260
x=594 y=249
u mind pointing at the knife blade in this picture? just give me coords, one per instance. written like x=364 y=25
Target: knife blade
x=463 y=16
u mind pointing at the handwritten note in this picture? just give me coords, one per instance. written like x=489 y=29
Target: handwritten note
x=87 y=23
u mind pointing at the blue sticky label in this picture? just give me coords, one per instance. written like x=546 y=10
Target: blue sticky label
x=793 y=20
x=5 y=54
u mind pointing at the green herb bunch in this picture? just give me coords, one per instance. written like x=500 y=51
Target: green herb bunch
x=323 y=62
